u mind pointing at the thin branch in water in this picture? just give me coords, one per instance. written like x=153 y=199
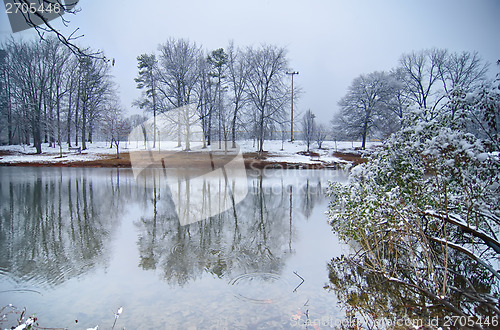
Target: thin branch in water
x=117 y=315
x=295 y=290
x=21 y=290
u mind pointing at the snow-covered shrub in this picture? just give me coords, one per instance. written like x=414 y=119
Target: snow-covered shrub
x=425 y=210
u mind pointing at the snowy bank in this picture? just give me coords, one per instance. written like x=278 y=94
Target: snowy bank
x=277 y=152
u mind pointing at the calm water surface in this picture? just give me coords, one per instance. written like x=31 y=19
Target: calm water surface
x=76 y=244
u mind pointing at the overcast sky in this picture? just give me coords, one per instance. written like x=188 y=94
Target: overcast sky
x=329 y=42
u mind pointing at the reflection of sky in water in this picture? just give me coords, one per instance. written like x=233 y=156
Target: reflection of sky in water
x=86 y=256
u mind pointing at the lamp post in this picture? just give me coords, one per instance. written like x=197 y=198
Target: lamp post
x=291 y=116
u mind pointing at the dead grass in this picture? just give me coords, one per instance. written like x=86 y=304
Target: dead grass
x=192 y=160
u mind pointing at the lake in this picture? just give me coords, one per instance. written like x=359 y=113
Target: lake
x=78 y=243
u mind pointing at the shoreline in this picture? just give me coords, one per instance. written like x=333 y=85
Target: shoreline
x=251 y=160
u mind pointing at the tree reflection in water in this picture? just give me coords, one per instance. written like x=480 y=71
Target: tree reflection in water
x=54 y=226
x=252 y=236
x=97 y=231
x=376 y=301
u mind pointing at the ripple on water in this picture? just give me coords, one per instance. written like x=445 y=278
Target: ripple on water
x=259 y=288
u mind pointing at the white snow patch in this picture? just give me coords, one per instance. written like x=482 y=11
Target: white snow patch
x=276 y=150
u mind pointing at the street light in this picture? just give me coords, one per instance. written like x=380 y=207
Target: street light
x=291 y=119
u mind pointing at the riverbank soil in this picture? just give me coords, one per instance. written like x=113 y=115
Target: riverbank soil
x=174 y=160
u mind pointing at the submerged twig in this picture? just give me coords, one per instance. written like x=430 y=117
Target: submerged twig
x=294 y=290
x=117 y=315
x=21 y=290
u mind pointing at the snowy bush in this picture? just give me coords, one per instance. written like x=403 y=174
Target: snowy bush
x=424 y=212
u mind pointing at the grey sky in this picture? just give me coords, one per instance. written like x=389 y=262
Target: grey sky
x=329 y=42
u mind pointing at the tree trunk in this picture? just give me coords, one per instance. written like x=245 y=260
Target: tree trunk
x=9 y=113
x=36 y=125
x=58 y=111
x=365 y=133
x=76 y=114
x=84 y=126
x=154 y=110
x=188 y=132
x=145 y=135
x=233 y=130
x=69 y=120
x=209 y=138
x=179 y=129
x=46 y=120
x=37 y=139
x=261 y=131
x=363 y=144
x=91 y=129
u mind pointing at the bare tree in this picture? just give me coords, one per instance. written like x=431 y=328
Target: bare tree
x=6 y=117
x=267 y=91
x=52 y=93
x=30 y=76
x=397 y=101
x=95 y=86
x=320 y=134
x=58 y=58
x=464 y=71
x=422 y=75
x=361 y=107
x=429 y=79
x=178 y=73
x=237 y=80
x=217 y=61
x=432 y=76
x=308 y=127
x=205 y=93
x=186 y=119
x=115 y=126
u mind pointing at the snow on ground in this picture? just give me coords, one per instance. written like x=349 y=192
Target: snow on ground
x=27 y=154
x=289 y=152
x=277 y=151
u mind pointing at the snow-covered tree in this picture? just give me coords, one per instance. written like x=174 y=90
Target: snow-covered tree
x=5 y=109
x=238 y=73
x=178 y=71
x=178 y=74
x=425 y=211
x=363 y=108
x=320 y=134
x=431 y=75
x=187 y=120
x=115 y=126
x=267 y=91
x=308 y=128
x=147 y=80
x=95 y=86
x=217 y=63
x=427 y=79
x=29 y=73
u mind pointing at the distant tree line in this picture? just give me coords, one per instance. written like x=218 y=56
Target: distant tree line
x=49 y=94
x=237 y=91
x=375 y=103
